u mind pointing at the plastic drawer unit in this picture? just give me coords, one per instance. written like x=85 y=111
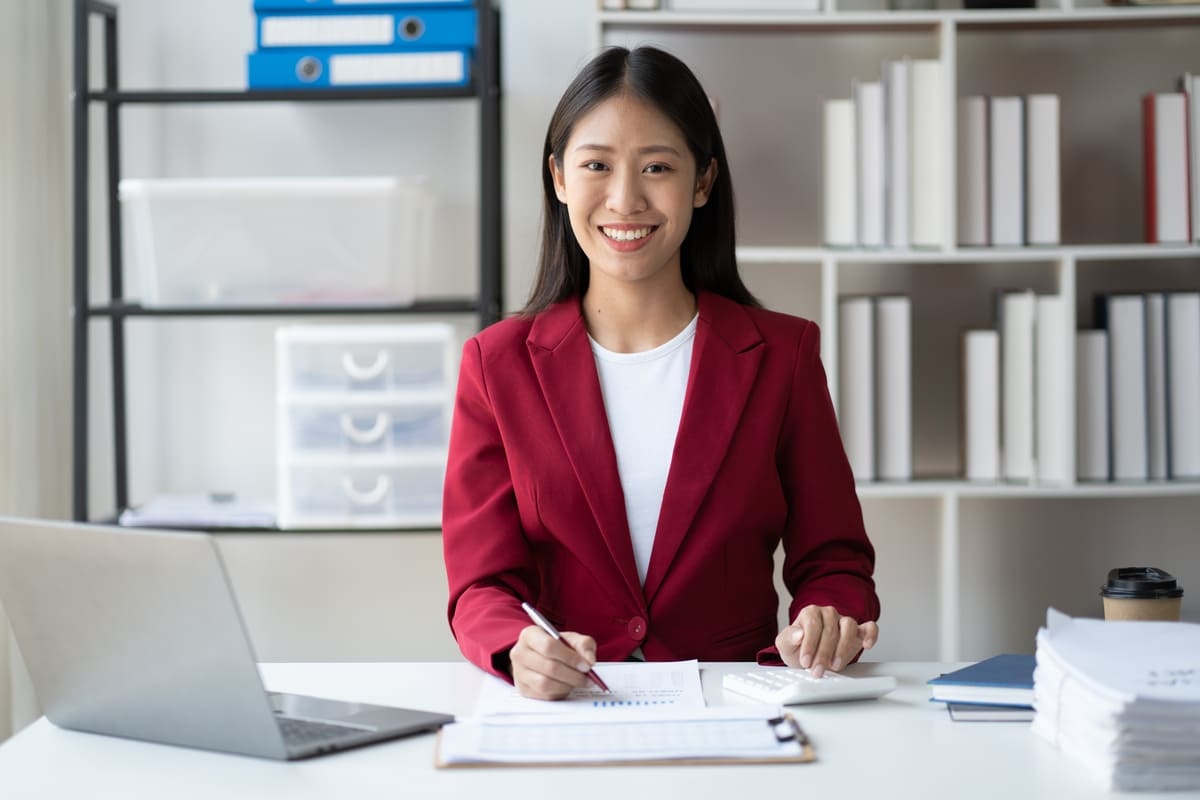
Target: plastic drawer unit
x=285 y=241
x=363 y=423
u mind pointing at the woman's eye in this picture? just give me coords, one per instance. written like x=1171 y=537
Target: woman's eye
x=657 y=169
x=594 y=166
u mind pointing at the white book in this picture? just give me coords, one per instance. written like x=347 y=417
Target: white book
x=856 y=384
x=893 y=388
x=1125 y=319
x=840 y=175
x=1054 y=451
x=872 y=203
x=1091 y=406
x=927 y=157
x=981 y=405
x=1191 y=87
x=1006 y=171
x=1156 y=386
x=973 y=172
x=1042 y=211
x=1183 y=384
x=895 y=101
x=1164 y=123
x=1017 y=311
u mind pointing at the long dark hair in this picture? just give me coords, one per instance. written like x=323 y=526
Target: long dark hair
x=651 y=75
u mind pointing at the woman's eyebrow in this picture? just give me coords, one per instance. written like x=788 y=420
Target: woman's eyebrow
x=648 y=149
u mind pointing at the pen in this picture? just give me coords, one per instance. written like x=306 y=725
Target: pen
x=545 y=625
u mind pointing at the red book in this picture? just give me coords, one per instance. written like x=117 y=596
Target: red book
x=1165 y=167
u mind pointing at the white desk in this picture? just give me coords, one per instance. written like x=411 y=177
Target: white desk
x=899 y=747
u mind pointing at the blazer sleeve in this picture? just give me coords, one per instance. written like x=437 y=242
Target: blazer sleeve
x=489 y=566
x=828 y=559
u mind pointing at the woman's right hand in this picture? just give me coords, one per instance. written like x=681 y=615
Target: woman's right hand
x=546 y=669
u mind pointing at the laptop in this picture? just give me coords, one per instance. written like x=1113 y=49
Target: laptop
x=136 y=633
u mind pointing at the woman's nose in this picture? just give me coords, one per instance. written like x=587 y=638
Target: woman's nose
x=625 y=194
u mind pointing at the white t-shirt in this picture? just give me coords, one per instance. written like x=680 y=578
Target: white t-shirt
x=643 y=396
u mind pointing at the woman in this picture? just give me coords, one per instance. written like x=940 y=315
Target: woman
x=629 y=451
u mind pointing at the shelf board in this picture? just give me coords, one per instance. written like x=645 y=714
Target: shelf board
x=933 y=489
x=1100 y=16
x=278 y=95
x=443 y=306
x=972 y=255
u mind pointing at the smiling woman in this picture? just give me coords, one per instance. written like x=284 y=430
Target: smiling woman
x=34 y=287
x=627 y=453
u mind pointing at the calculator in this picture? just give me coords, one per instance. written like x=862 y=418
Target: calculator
x=785 y=687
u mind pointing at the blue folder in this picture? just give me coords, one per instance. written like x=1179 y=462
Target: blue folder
x=382 y=27
x=358 y=5
x=331 y=67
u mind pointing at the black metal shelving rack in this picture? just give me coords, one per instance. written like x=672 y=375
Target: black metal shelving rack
x=484 y=87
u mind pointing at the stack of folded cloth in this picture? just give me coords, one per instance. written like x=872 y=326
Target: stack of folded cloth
x=1123 y=698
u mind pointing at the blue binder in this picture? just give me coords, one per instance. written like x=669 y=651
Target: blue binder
x=386 y=27
x=357 y=5
x=332 y=67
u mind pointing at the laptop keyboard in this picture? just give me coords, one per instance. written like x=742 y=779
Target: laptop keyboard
x=303 y=732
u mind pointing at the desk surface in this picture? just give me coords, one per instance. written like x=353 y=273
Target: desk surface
x=901 y=746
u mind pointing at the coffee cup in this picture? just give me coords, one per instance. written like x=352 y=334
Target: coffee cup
x=1141 y=593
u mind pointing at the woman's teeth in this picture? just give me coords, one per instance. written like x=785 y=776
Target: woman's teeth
x=626 y=235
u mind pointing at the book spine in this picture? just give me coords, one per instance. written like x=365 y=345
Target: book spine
x=1054 y=447
x=1042 y=170
x=893 y=388
x=1126 y=320
x=981 y=406
x=1156 y=385
x=1183 y=383
x=1091 y=405
x=1164 y=120
x=856 y=384
x=868 y=106
x=896 y=106
x=1149 y=170
x=1006 y=171
x=840 y=176
x=926 y=146
x=1016 y=384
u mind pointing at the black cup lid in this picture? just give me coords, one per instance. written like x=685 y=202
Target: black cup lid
x=1141 y=583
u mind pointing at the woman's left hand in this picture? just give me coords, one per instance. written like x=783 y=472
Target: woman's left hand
x=820 y=638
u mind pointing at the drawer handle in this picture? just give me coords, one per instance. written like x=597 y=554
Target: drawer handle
x=365 y=372
x=370 y=435
x=383 y=485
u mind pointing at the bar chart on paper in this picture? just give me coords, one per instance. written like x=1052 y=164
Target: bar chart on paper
x=669 y=685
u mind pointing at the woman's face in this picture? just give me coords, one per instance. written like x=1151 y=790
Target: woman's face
x=629 y=182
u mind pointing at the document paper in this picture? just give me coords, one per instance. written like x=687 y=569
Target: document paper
x=736 y=732
x=636 y=686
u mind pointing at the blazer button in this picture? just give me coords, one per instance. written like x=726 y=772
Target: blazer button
x=636 y=629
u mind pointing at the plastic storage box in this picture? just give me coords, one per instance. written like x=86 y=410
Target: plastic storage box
x=276 y=241
x=363 y=423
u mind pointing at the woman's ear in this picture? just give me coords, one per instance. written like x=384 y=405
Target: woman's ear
x=704 y=184
x=560 y=187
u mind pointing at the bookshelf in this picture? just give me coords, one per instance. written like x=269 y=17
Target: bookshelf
x=96 y=55
x=951 y=550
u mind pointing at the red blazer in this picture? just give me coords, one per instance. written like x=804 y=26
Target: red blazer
x=533 y=508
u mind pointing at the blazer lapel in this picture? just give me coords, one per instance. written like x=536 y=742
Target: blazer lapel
x=566 y=370
x=725 y=361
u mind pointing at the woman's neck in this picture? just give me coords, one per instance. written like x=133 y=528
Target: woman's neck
x=628 y=318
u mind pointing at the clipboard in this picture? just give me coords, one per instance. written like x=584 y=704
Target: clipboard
x=754 y=736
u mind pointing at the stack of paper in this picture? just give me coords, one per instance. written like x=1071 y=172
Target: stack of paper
x=1123 y=698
